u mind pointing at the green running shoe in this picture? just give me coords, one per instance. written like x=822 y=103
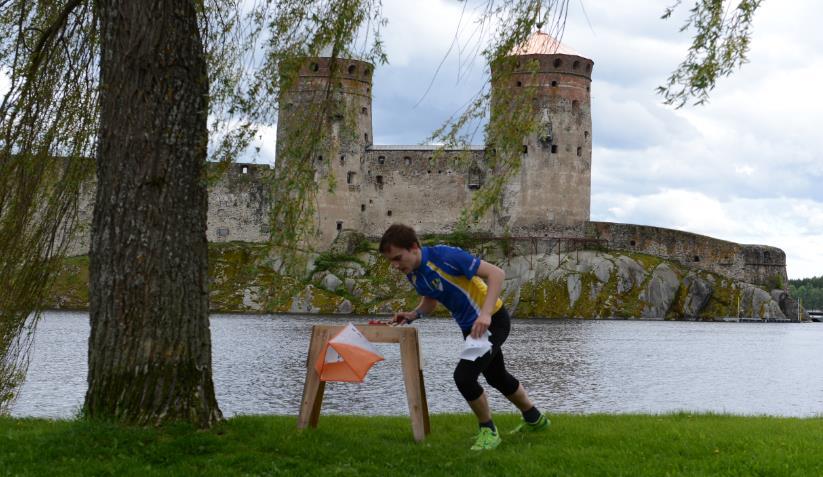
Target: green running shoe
x=487 y=439
x=541 y=425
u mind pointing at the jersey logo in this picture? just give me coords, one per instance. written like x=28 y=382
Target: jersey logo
x=436 y=283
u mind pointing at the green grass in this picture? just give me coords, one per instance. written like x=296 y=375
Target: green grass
x=679 y=444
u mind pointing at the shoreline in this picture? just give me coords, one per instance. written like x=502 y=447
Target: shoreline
x=748 y=320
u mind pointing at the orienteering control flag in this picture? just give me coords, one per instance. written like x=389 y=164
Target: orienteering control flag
x=348 y=356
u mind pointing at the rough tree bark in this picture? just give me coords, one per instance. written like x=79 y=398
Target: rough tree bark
x=150 y=346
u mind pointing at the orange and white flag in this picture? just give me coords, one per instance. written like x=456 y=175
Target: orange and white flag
x=348 y=356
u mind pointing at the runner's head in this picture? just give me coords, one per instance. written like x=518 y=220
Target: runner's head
x=401 y=248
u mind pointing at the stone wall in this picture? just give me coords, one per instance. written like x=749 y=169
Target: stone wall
x=758 y=264
x=239 y=205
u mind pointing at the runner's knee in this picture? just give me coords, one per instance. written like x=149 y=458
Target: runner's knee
x=467 y=384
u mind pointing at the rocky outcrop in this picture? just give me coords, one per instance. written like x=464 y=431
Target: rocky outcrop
x=660 y=292
x=758 y=303
x=576 y=284
x=698 y=293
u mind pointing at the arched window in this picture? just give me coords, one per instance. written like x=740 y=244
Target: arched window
x=352 y=69
x=557 y=63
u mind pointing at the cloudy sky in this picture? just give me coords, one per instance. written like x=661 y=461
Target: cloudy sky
x=746 y=167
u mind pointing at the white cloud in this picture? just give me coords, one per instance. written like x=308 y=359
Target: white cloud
x=796 y=226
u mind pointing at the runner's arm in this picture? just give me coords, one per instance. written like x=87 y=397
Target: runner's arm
x=493 y=276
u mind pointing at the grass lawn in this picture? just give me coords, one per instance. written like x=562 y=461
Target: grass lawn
x=630 y=445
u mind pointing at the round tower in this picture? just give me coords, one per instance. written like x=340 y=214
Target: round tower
x=325 y=119
x=554 y=184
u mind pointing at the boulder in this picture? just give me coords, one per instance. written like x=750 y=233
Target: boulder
x=593 y=262
x=629 y=274
x=758 y=303
x=350 y=270
x=250 y=299
x=789 y=306
x=602 y=268
x=302 y=302
x=331 y=282
x=660 y=292
x=350 y=284
x=345 y=307
x=698 y=293
x=519 y=269
x=574 y=287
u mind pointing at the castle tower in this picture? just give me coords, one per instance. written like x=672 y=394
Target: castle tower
x=332 y=99
x=554 y=185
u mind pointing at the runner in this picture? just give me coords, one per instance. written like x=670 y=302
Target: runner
x=455 y=278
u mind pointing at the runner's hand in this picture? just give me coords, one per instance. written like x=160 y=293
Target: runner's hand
x=404 y=317
x=481 y=324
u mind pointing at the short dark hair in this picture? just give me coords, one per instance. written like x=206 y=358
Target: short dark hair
x=398 y=235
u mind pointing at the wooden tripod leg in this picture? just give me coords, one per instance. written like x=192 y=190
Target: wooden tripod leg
x=425 y=405
x=313 y=387
x=415 y=391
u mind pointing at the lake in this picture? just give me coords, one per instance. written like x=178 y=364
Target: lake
x=571 y=366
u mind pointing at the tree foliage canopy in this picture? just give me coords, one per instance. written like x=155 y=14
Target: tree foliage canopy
x=809 y=291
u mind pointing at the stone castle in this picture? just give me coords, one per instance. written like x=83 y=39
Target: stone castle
x=545 y=207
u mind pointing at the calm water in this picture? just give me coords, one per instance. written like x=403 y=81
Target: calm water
x=567 y=366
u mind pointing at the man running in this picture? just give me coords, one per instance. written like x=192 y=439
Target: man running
x=455 y=278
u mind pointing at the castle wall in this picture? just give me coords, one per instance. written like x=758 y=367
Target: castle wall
x=758 y=264
x=425 y=188
x=239 y=205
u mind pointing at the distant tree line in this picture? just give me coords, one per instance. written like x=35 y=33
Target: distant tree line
x=809 y=290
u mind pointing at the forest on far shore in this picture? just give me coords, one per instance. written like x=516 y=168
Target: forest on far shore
x=809 y=291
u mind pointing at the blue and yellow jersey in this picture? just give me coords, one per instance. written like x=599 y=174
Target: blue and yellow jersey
x=447 y=274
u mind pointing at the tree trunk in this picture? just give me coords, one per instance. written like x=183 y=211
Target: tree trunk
x=150 y=346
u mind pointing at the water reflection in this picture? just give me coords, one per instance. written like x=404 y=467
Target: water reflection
x=567 y=366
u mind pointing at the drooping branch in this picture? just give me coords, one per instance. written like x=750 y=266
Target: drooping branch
x=719 y=47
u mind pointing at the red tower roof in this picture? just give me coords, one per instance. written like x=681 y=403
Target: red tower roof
x=543 y=44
